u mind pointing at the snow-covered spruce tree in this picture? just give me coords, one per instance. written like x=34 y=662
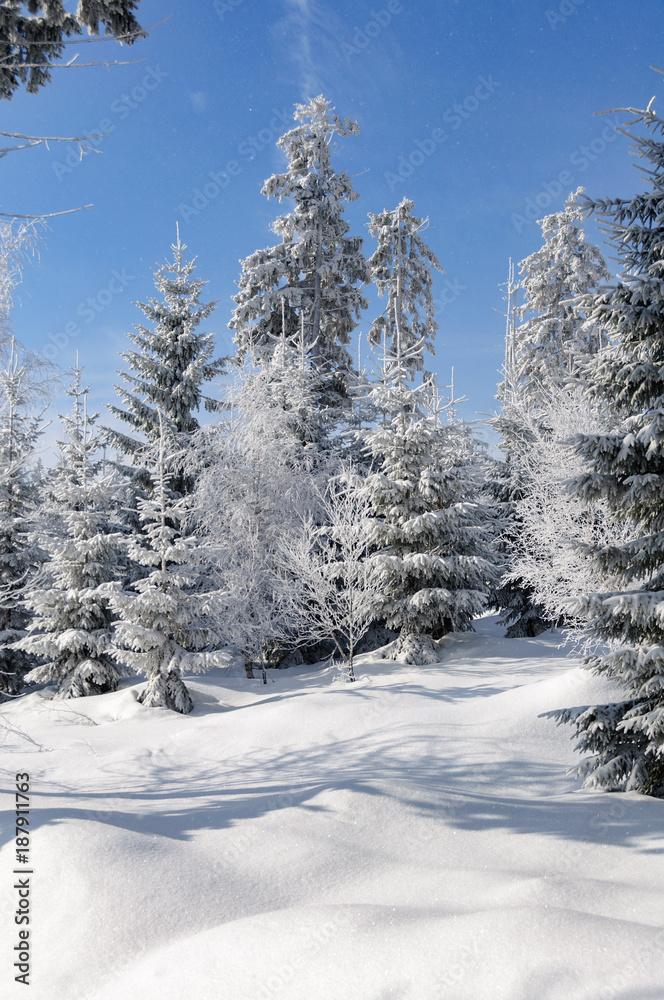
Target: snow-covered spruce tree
x=625 y=739
x=428 y=534
x=429 y=528
x=557 y=338
x=171 y=364
x=261 y=466
x=400 y=268
x=72 y=624
x=315 y=275
x=164 y=623
x=25 y=386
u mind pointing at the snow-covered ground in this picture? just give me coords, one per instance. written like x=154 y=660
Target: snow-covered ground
x=411 y=836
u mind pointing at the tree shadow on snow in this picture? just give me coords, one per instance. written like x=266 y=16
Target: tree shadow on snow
x=395 y=763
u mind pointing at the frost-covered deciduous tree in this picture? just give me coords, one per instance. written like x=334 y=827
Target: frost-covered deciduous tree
x=400 y=268
x=276 y=405
x=333 y=588
x=558 y=526
x=625 y=469
x=169 y=368
x=315 y=275
x=165 y=624
x=17 y=244
x=513 y=597
x=260 y=468
x=71 y=627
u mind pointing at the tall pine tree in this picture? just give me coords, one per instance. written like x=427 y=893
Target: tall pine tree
x=314 y=276
x=544 y=353
x=400 y=267
x=169 y=368
x=556 y=338
x=625 y=739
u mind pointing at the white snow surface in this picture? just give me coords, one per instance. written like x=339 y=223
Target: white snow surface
x=412 y=836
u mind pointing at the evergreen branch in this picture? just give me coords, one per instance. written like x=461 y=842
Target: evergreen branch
x=137 y=33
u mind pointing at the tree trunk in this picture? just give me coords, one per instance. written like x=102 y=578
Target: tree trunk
x=351 y=671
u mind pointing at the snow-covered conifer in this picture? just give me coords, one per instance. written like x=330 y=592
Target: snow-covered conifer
x=429 y=526
x=401 y=267
x=546 y=352
x=557 y=337
x=33 y=36
x=170 y=365
x=24 y=384
x=72 y=624
x=164 y=623
x=314 y=276
x=625 y=468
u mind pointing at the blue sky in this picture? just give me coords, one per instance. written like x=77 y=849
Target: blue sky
x=482 y=113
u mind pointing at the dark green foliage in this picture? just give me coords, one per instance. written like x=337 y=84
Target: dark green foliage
x=33 y=36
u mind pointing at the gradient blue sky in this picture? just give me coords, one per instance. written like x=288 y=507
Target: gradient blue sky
x=216 y=88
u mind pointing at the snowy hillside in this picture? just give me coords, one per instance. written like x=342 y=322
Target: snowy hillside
x=410 y=836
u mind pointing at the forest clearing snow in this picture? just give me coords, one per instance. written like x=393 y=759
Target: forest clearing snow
x=411 y=836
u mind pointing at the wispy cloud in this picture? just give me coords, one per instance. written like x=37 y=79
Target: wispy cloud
x=300 y=21
x=338 y=55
